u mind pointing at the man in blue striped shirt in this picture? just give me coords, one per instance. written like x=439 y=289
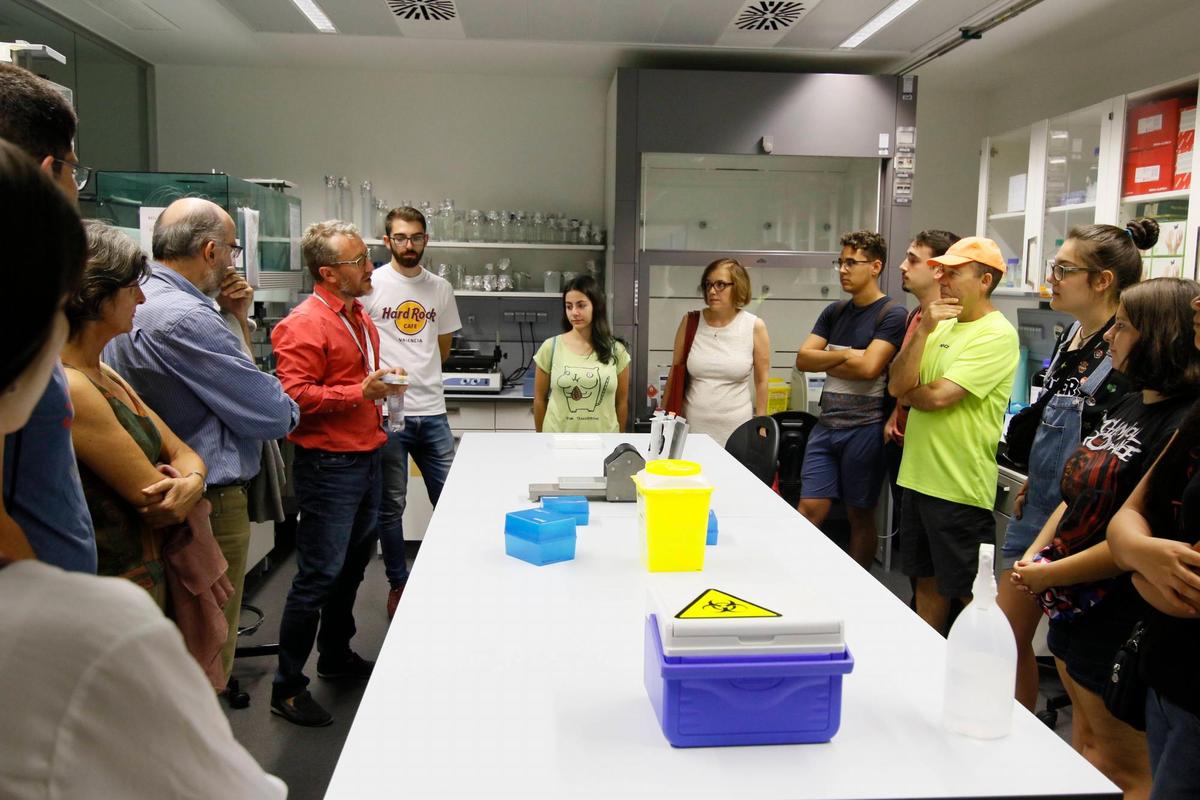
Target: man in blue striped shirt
x=190 y=368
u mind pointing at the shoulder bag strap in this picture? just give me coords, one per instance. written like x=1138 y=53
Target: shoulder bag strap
x=689 y=334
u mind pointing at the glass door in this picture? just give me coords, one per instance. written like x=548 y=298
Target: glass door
x=1005 y=201
x=1072 y=185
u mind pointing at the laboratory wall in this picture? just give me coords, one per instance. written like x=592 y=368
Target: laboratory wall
x=486 y=141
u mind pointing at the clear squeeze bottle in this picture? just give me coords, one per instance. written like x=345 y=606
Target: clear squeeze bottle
x=981 y=662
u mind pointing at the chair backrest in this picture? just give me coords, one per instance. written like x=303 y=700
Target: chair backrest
x=755 y=444
x=794 y=429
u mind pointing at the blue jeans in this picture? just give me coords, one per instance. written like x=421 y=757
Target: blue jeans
x=1173 y=736
x=429 y=441
x=339 y=497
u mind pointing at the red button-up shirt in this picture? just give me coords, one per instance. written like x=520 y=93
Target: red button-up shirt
x=322 y=367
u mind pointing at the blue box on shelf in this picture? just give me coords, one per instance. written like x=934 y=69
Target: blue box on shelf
x=527 y=383
x=575 y=505
x=712 y=528
x=538 y=536
x=758 y=678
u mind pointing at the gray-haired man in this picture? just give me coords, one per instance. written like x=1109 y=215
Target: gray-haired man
x=190 y=368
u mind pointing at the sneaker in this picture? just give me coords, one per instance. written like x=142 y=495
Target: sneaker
x=394 y=600
x=353 y=666
x=301 y=710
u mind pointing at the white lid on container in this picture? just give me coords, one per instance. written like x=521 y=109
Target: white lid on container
x=723 y=618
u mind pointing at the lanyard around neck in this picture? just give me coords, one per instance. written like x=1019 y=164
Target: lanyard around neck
x=368 y=354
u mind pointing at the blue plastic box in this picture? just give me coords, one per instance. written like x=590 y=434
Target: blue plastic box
x=712 y=528
x=575 y=505
x=717 y=701
x=538 y=536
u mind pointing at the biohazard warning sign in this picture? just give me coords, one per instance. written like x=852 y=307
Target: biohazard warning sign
x=715 y=604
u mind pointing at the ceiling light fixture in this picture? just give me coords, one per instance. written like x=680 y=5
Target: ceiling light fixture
x=316 y=15
x=876 y=24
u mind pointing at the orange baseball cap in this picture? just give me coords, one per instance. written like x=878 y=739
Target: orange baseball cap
x=972 y=248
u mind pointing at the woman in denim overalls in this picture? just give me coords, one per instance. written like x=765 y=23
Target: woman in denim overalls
x=1090 y=269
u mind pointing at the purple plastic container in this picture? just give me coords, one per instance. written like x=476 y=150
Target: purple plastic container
x=722 y=701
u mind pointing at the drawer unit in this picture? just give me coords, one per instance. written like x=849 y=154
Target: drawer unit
x=471 y=415
x=514 y=415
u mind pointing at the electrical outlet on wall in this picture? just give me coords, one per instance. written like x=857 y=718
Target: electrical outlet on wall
x=542 y=316
x=509 y=316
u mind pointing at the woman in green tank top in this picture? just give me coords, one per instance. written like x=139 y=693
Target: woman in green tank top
x=118 y=440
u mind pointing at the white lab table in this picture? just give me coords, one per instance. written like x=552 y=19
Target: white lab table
x=499 y=678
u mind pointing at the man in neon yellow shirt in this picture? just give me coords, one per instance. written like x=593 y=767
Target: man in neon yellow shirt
x=955 y=373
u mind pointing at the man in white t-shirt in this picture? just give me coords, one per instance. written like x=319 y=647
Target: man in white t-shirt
x=416 y=315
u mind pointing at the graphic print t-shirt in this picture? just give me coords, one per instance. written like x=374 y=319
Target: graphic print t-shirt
x=583 y=391
x=410 y=314
x=1102 y=473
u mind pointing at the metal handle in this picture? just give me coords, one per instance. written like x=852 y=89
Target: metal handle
x=1029 y=243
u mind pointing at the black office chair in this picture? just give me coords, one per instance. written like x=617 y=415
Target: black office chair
x=755 y=444
x=794 y=430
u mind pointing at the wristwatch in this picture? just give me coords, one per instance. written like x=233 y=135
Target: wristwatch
x=203 y=480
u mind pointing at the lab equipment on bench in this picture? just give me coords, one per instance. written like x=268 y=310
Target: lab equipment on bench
x=539 y=536
x=615 y=484
x=673 y=503
x=466 y=370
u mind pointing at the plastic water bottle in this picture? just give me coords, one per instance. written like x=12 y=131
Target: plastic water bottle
x=981 y=662
x=395 y=402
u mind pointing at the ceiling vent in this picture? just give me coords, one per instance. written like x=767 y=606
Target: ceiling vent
x=424 y=10
x=427 y=19
x=763 y=23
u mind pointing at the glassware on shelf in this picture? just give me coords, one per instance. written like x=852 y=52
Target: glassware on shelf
x=458 y=230
x=446 y=219
x=552 y=230
x=520 y=229
x=537 y=231
x=504 y=227
x=489 y=283
x=585 y=232
x=598 y=236
x=504 y=283
x=572 y=232
x=569 y=276
x=552 y=282
x=366 y=207
x=345 y=200
x=474 y=226
x=381 y=212
x=332 y=208
x=491 y=226
x=520 y=281
x=590 y=267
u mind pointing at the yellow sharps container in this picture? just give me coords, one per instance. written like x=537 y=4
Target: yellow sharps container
x=673 y=500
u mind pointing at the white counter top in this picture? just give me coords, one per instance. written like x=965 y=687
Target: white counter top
x=499 y=678
x=511 y=393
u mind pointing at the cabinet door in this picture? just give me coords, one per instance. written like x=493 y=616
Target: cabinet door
x=1074 y=143
x=1009 y=191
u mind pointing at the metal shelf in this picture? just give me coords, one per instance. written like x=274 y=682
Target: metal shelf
x=599 y=248
x=459 y=293
x=1069 y=207
x=1154 y=197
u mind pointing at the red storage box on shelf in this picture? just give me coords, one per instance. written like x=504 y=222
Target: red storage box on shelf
x=1185 y=143
x=1152 y=125
x=1149 y=171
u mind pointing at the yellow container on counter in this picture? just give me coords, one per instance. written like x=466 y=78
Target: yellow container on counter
x=673 y=499
x=778 y=394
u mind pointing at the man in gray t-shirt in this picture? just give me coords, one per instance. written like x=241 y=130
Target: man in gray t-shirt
x=852 y=342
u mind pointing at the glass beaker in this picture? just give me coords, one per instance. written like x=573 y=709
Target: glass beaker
x=331 y=197
x=366 y=207
x=474 y=226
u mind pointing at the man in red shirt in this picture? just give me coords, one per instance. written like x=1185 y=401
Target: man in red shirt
x=327 y=358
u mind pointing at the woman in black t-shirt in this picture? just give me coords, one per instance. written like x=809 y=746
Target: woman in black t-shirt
x=1069 y=568
x=1091 y=269
x=1157 y=535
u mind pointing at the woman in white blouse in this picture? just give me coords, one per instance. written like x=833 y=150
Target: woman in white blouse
x=730 y=352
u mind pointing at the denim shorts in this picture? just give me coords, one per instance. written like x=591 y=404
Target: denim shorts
x=844 y=464
x=1088 y=643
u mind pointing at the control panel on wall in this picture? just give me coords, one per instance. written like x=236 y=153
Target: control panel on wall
x=904 y=165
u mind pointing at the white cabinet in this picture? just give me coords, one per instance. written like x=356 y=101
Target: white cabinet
x=483 y=414
x=1115 y=161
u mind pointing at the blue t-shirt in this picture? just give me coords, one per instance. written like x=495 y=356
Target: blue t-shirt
x=42 y=491
x=849 y=403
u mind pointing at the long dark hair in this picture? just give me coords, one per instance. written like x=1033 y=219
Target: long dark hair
x=603 y=341
x=1164 y=357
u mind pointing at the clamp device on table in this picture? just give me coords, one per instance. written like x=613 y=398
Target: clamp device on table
x=615 y=485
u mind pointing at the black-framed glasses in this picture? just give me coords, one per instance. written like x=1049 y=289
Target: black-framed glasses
x=400 y=239
x=235 y=249
x=1060 y=270
x=848 y=263
x=718 y=286
x=79 y=172
x=356 y=262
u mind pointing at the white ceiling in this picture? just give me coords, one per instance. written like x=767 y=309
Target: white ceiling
x=593 y=37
